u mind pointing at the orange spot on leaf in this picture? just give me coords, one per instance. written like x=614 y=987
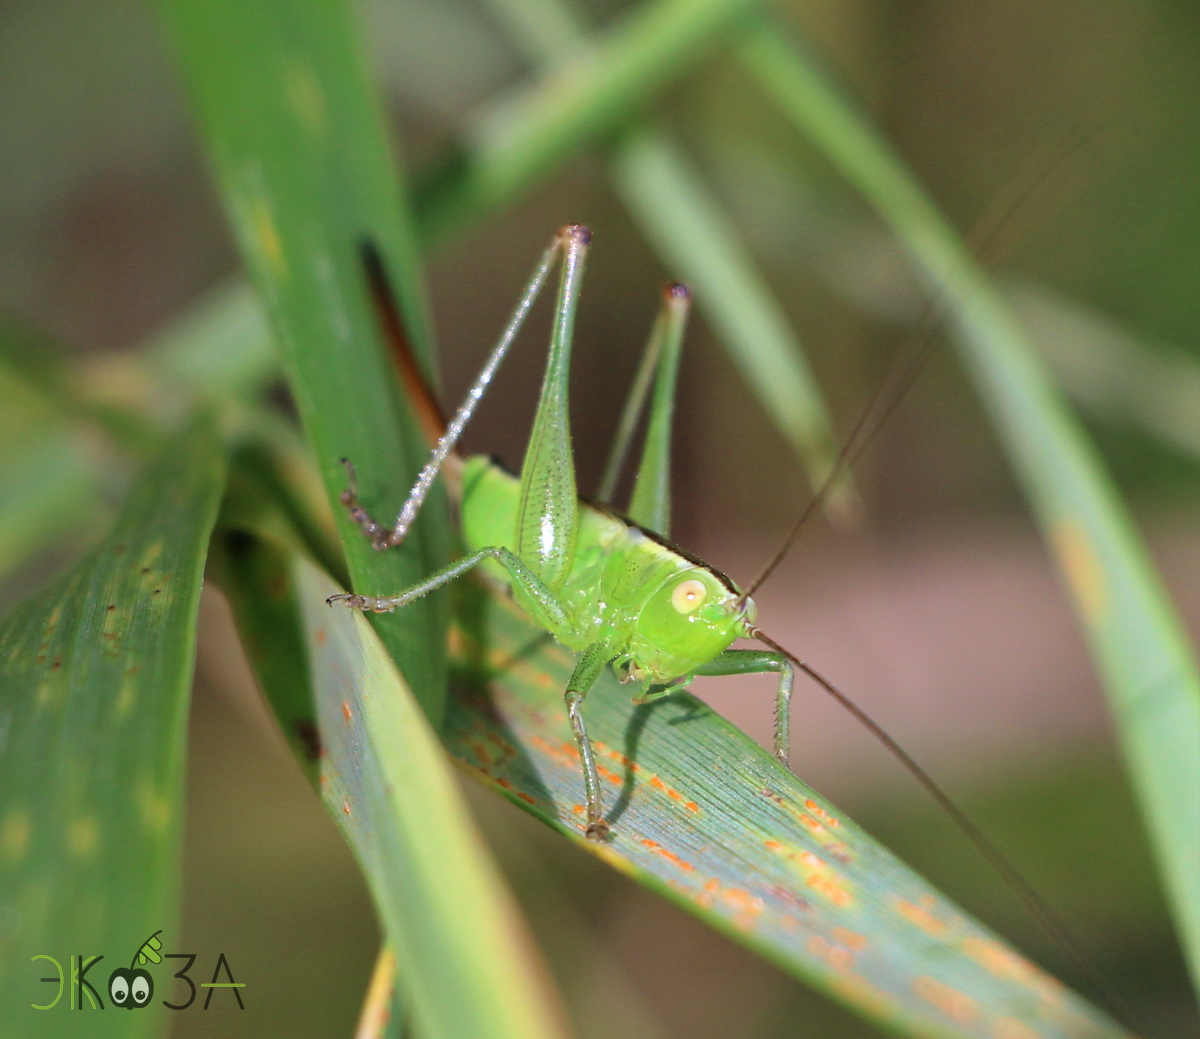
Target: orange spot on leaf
x=921 y=917
x=851 y=939
x=951 y=1002
x=669 y=855
x=1010 y=1028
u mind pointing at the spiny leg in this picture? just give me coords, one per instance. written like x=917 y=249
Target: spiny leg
x=591 y=663
x=546 y=611
x=539 y=601
x=377 y=532
x=757 y=661
x=388 y=537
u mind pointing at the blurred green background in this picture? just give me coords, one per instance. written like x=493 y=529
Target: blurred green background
x=939 y=611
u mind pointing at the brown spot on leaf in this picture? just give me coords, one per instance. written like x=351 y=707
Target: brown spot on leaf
x=309 y=737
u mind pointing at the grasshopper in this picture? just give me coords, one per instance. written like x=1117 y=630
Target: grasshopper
x=607 y=585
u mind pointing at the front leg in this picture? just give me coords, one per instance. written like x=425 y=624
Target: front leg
x=592 y=661
x=541 y=603
x=756 y=661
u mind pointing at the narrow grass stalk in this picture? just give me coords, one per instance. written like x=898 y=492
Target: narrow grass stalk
x=1135 y=637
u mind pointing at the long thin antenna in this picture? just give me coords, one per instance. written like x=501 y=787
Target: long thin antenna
x=1050 y=921
x=912 y=361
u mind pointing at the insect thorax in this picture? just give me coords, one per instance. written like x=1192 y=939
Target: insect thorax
x=661 y=611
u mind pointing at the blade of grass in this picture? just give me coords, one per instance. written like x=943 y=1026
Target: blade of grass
x=46 y=463
x=219 y=346
x=691 y=234
x=529 y=134
x=299 y=150
x=704 y=816
x=701 y=814
x=45 y=492
x=1112 y=373
x=467 y=968
x=95 y=674
x=1136 y=639
x=697 y=242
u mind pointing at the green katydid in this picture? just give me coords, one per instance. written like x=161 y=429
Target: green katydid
x=606 y=586
x=609 y=586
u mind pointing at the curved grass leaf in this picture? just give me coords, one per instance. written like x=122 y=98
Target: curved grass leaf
x=696 y=240
x=219 y=346
x=45 y=491
x=94 y=680
x=1112 y=373
x=354 y=726
x=698 y=243
x=701 y=814
x=458 y=940
x=706 y=817
x=1136 y=639
x=300 y=154
x=45 y=469
x=525 y=136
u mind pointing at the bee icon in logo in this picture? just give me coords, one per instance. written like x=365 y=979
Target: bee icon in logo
x=131 y=987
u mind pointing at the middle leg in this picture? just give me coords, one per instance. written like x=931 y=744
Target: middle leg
x=757 y=661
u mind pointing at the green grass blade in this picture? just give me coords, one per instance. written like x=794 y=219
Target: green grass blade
x=1137 y=642
x=221 y=345
x=455 y=931
x=45 y=492
x=707 y=818
x=1113 y=374
x=303 y=164
x=527 y=136
x=95 y=674
x=46 y=467
x=364 y=743
x=697 y=242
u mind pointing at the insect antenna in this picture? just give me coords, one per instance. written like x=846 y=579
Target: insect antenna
x=1038 y=908
x=923 y=342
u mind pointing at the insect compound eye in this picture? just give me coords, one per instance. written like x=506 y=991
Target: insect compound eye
x=141 y=988
x=118 y=988
x=689 y=595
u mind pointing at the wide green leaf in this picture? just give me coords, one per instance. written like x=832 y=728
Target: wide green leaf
x=463 y=956
x=709 y=819
x=95 y=674
x=305 y=170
